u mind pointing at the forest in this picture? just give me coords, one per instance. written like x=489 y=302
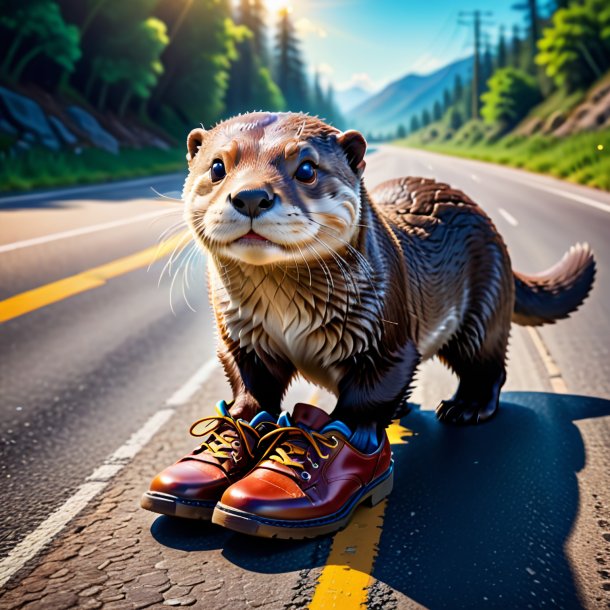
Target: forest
x=161 y=65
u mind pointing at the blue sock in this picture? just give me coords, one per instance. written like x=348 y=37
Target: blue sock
x=365 y=438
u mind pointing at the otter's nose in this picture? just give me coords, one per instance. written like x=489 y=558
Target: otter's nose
x=253 y=202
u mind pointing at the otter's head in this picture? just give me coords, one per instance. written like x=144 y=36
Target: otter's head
x=266 y=188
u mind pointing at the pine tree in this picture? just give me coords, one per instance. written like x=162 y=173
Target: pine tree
x=415 y=124
x=250 y=84
x=502 y=57
x=252 y=15
x=515 y=49
x=437 y=111
x=426 y=119
x=530 y=8
x=447 y=100
x=455 y=119
x=458 y=89
x=290 y=72
x=318 y=98
x=487 y=67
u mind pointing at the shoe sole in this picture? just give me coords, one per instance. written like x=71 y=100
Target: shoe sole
x=172 y=506
x=254 y=525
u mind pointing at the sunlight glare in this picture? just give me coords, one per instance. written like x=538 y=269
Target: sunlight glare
x=275 y=6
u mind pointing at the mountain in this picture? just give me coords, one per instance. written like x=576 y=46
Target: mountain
x=348 y=99
x=409 y=95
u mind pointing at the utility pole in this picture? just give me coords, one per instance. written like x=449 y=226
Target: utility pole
x=476 y=21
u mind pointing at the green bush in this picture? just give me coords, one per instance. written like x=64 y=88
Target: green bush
x=512 y=93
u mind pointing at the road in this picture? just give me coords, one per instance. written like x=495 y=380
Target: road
x=511 y=514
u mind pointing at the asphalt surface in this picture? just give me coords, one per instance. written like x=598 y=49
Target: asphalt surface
x=511 y=514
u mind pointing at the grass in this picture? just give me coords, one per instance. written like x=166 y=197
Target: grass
x=41 y=168
x=558 y=101
x=583 y=158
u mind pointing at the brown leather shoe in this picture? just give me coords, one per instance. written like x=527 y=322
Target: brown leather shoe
x=191 y=487
x=309 y=482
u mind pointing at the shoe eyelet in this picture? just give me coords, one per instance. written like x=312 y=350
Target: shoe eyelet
x=236 y=444
x=235 y=457
x=305 y=475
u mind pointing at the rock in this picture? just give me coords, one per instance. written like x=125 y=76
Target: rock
x=6 y=127
x=554 y=122
x=529 y=127
x=62 y=131
x=27 y=116
x=180 y=601
x=89 y=591
x=98 y=136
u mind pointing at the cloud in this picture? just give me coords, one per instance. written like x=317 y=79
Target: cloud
x=428 y=63
x=306 y=27
x=325 y=69
x=359 y=79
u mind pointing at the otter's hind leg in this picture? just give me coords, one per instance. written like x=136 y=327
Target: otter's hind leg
x=477 y=397
x=481 y=376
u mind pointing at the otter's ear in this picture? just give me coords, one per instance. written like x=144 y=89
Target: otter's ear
x=194 y=142
x=354 y=145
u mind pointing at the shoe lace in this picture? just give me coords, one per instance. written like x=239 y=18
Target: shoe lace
x=221 y=434
x=282 y=450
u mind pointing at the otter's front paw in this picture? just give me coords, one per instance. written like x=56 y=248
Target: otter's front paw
x=462 y=412
x=244 y=407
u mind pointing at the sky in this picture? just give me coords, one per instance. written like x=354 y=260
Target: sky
x=372 y=42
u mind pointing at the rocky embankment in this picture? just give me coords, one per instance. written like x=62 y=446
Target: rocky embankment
x=592 y=114
x=34 y=119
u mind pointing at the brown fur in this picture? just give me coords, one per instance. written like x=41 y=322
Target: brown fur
x=352 y=290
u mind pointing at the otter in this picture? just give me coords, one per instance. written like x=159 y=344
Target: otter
x=311 y=274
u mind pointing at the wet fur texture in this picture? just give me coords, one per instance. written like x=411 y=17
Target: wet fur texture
x=352 y=290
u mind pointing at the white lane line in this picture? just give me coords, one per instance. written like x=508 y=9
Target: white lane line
x=38 y=539
x=26 y=243
x=534 y=181
x=510 y=219
x=580 y=198
x=557 y=382
x=186 y=392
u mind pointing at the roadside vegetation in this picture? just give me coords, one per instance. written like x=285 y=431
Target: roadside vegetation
x=542 y=102
x=582 y=158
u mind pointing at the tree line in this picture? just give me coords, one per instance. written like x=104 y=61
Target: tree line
x=562 y=53
x=173 y=62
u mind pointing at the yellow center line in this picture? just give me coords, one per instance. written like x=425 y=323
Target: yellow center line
x=36 y=298
x=346 y=577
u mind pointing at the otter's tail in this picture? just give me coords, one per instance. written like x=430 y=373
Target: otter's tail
x=557 y=292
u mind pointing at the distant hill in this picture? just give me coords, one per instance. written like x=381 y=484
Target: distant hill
x=409 y=95
x=348 y=99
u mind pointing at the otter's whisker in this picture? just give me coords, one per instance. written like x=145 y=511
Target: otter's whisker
x=178 y=248
x=156 y=192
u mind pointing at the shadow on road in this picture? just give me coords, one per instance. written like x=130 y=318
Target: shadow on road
x=252 y=554
x=479 y=516
x=155 y=187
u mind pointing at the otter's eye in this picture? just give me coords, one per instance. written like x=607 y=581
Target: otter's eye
x=306 y=172
x=217 y=171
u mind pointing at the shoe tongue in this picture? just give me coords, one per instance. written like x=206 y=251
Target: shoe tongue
x=309 y=416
